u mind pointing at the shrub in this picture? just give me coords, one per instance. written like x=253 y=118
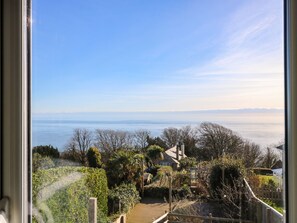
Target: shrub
x=153 y=170
x=164 y=170
x=180 y=178
x=232 y=170
x=155 y=153
x=125 y=194
x=124 y=166
x=94 y=157
x=187 y=162
x=200 y=190
x=41 y=162
x=47 y=150
x=163 y=192
x=62 y=194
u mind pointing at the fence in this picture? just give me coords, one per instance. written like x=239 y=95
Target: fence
x=259 y=211
x=162 y=219
x=276 y=196
x=180 y=218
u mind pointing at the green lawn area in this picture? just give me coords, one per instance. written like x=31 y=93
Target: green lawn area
x=265 y=179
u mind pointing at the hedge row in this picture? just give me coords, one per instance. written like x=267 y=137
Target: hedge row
x=123 y=198
x=62 y=194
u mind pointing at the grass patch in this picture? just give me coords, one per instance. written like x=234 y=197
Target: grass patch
x=277 y=207
x=265 y=179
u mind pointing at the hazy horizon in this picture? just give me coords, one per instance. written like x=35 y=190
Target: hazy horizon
x=262 y=126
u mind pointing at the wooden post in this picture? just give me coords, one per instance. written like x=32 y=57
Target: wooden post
x=268 y=215
x=170 y=193
x=142 y=178
x=210 y=217
x=92 y=210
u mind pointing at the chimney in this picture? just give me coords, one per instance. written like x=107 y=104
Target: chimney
x=177 y=152
x=183 y=150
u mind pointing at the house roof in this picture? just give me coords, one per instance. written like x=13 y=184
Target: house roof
x=172 y=153
x=281 y=147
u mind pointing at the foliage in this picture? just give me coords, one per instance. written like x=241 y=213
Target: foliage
x=231 y=169
x=79 y=143
x=251 y=154
x=185 y=135
x=170 y=136
x=187 y=162
x=140 y=138
x=277 y=207
x=153 y=170
x=109 y=141
x=155 y=153
x=128 y=166
x=125 y=194
x=215 y=139
x=269 y=158
x=189 y=137
x=41 y=162
x=163 y=192
x=164 y=170
x=94 y=157
x=180 y=178
x=46 y=150
x=69 y=202
x=156 y=141
x=200 y=190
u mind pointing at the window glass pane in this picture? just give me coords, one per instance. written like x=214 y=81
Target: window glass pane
x=170 y=108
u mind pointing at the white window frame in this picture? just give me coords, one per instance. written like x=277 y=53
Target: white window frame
x=15 y=108
x=15 y=101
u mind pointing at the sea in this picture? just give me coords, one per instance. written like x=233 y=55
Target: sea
x=262 y=126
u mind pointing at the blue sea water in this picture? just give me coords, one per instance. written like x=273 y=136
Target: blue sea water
x=262 y=126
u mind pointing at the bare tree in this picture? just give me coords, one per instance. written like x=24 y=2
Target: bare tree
x=111 y=140
x=79 y=144
x=188 y=136
x=170 y=136
x=215 y=139
x=140 y=138
x=251 y=154
x=232 y=196
x=269 y=158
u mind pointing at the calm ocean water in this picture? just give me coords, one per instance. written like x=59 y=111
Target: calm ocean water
x=262 y=126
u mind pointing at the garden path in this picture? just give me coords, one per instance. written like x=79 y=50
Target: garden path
x=147 y=211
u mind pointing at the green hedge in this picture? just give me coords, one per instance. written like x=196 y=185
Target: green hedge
x=125 y=194
x=62 y=194
x=233 y=170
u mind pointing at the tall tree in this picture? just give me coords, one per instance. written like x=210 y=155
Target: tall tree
x=189 y=137
x=215 y=139
x=79 y=144
x=140 y=138
x=156 y=141
x=170 y=136
x=269 y=158
x=110 y=141
x=251 y=154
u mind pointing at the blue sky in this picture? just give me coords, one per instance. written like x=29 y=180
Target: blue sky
x=100 y=56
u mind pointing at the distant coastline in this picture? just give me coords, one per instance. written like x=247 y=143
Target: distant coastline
x=263 y=126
